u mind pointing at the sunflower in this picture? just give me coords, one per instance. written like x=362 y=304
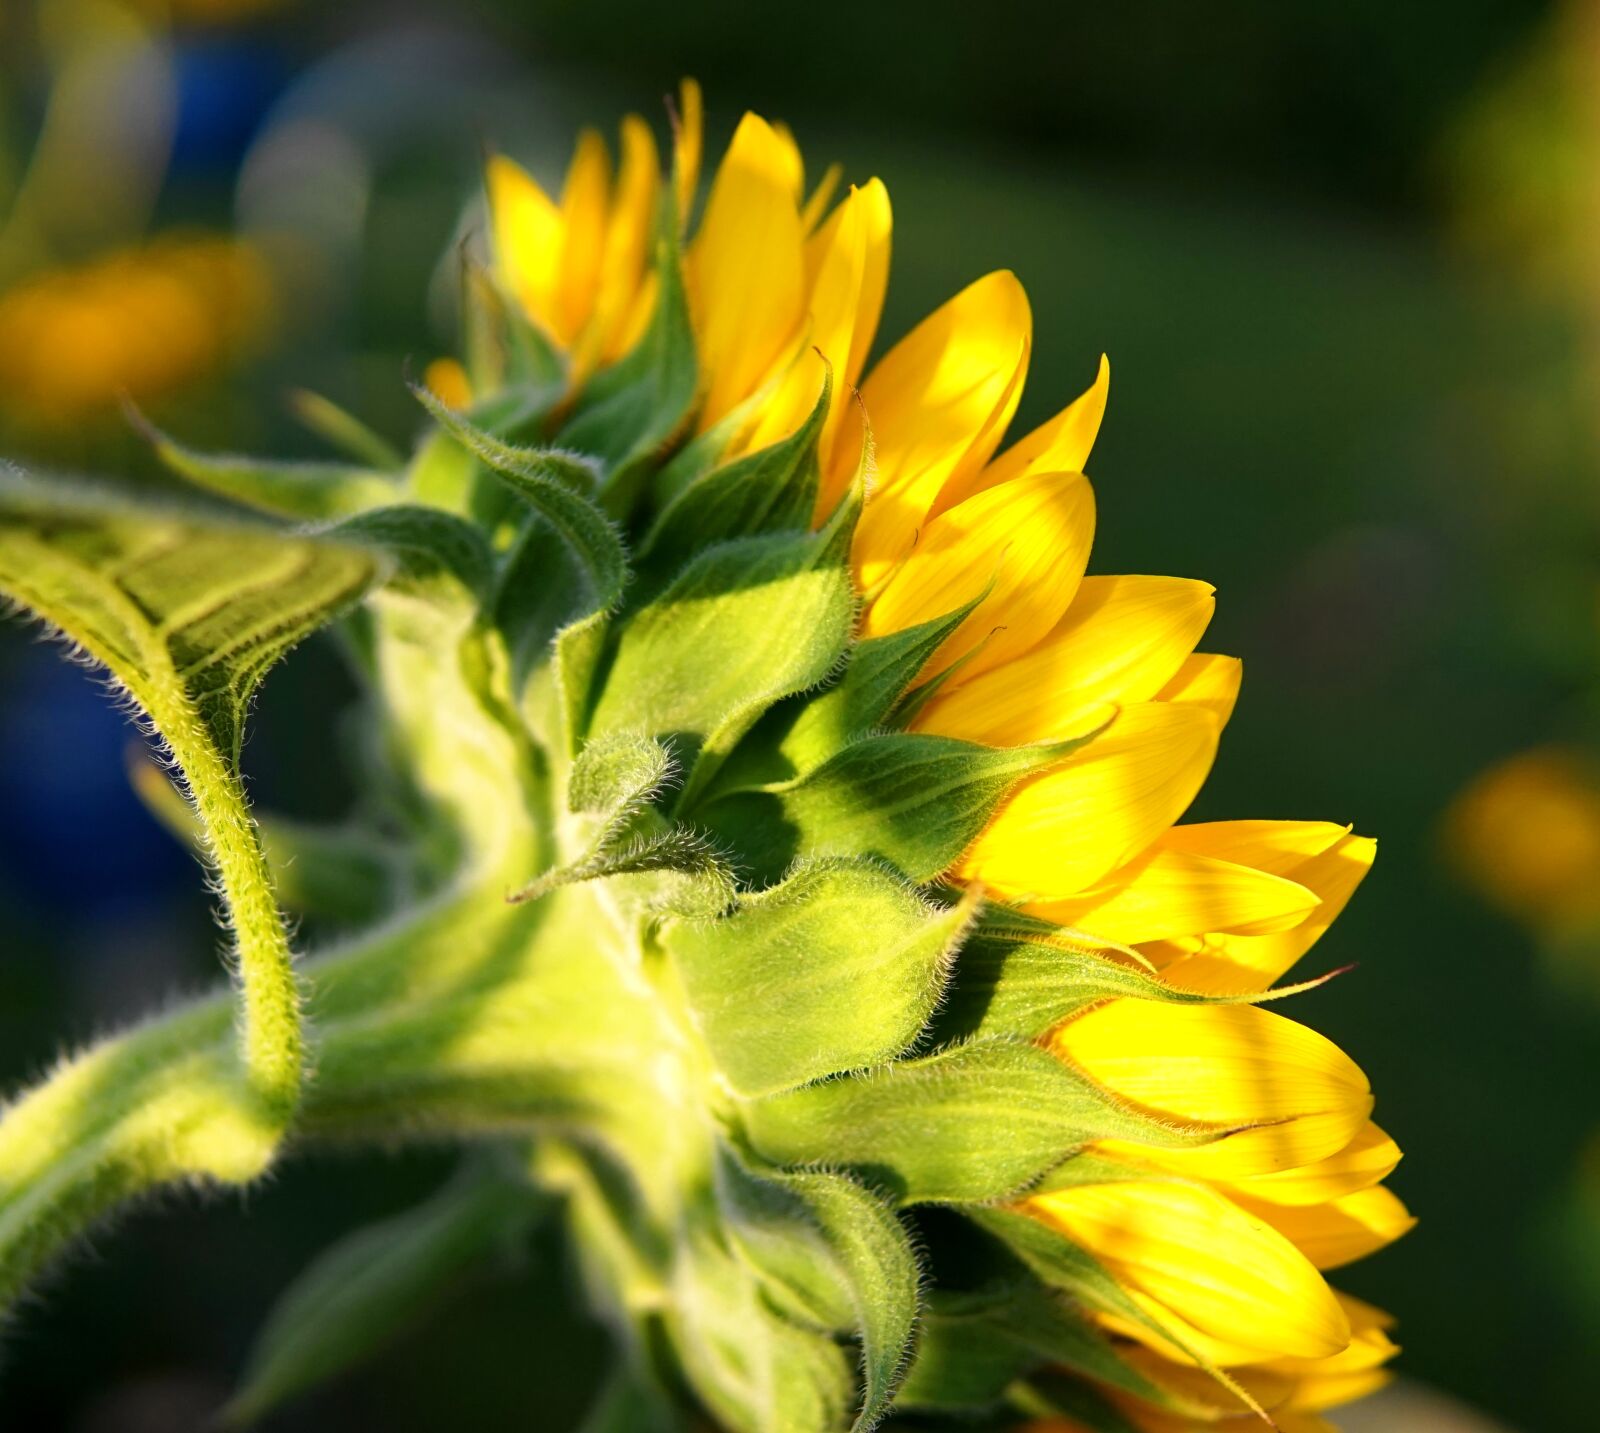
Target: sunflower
x=859 y=985
x=1223 y=1246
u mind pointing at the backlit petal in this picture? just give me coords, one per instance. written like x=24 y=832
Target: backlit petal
x=585 y=208
x=1121 y=640
x=939 y=403
x=1164 y=893
x=1342 y=1230
x=1223 y=1064
x=1027 y=543
x=1062 y=832
x=1216 y=1352
x=1061 y=445
x=1230 y=964
x=746 y=269
x=1368 y=1159
x=1202 y=1394
x=1343 y=1377
x=817 y=202
x=846 y=264
x=1217 y=1267
x=794 y=163
x=1206 y=680
x=1289 y=1388
x=449 y=382
x=1282 y=847
x=628 y=235
x=877 y=221
x=527 y=229
x=688 y=133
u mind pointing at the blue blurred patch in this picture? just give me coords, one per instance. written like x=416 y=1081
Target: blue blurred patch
x=225 y=88
x=74 y=839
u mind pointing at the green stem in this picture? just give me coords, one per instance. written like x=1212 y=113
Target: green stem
x=164 y=1102
x=89 y=604
x=462 y=1018
x=273 y=1045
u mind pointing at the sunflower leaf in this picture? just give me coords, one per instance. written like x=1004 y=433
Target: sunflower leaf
x=772 y=490
x=758 y=1371
x=747 y=623
x=310 y=491
x=977 y=1122
x=914 y=801
x=862 y=700
x=188 y=613
x=838 y=967
x=841 y=1253
x=549 y=482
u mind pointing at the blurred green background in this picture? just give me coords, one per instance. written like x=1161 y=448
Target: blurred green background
x=1343 y=256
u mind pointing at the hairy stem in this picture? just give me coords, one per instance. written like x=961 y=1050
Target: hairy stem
x=163 y=1102
x=273 y=1045
x=459 y=1018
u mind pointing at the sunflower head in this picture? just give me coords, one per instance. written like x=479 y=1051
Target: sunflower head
x=783 y=853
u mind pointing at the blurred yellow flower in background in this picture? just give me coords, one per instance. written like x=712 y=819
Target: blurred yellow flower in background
x=143 y=322
x=1527 y=832
x=94 y=304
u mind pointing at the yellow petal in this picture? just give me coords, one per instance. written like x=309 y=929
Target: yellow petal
x=794 y=163
x=1343 y=1377
x=842 y=438
x=449 y=382
x=821 y=196
x=785 y=405
x=1206 y=680
x=1281 y=847
x=688 y=131
x=1062 y=832
x=1223 y=1065
x=1185 y=1343
x=527 y=228
x=1062 y=445
x=1202 y=1396
x=1202 y=1402
x=1329 y=1391
x=628 y=235
x=1120 y=641
x=1293 y=1389
x=746 y=269
x=1195 y=1253
x=585 y=208
x=939 y=403
x=1368 y=1159
x=1342 y=1230
x=1027 y=543
x=846 y=267
x=1164 y=893
x=1231 y=964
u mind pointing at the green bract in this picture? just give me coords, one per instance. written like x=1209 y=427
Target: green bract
x=647 y=910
